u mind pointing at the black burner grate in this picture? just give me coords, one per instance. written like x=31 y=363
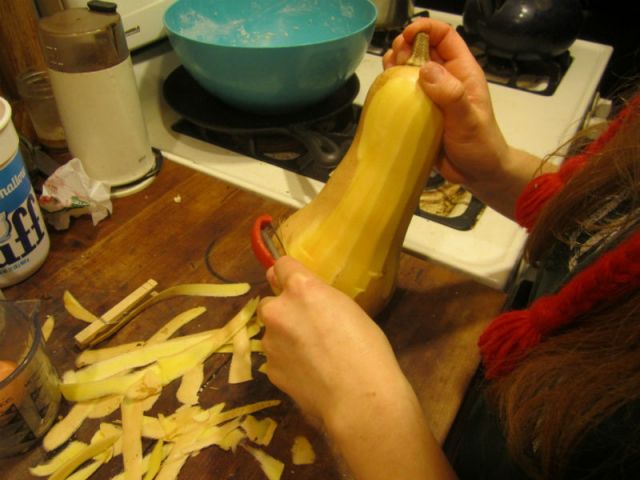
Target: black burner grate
x=312 y=150
x=526 y=72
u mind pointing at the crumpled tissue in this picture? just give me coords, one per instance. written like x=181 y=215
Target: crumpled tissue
x=70 y=192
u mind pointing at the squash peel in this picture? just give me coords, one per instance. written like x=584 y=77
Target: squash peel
x=50 y=467
x=131 y=378
x=132 y=411
x=187 y=393
x=302 y=452
x=259 y=432
x=271 y=467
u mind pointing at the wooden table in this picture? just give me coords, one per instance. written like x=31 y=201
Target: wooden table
x=186 y=225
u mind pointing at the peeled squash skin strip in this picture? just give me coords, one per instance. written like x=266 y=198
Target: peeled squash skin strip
x=271 y=467
x=88 y=357
x=240 y=368
x=85 y=472
x=146 y=462
x=245 y=410
x=105 y=406
x=132 y=411
x=70 y=451
x=47 y=327
x=106 y=430
x=176 y=366
x=254 y=344
x=167 y=427
x=136 y=358
x=302 y=452
x=167 y=368
x=92 y=357
x=172 y=326
x=211 y=436
x=170 y=468
x=259 y=431
x=119 y=384
x=65 y=428
x=76 y=310
x=155 y=428
x=192 y=289
x=145 y=354
x=89 y=451
x=187 y=393
x=151 y=465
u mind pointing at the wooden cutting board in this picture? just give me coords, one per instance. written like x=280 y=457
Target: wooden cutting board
x=185 y=226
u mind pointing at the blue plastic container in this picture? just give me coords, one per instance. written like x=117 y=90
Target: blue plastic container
x=270 y=56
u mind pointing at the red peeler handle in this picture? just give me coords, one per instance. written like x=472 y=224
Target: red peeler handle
x=260 y=250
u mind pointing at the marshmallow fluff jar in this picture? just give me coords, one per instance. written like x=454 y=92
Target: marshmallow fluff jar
x=24 y=241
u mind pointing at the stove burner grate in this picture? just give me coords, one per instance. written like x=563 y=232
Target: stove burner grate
x=312 y=150
x=527 y=72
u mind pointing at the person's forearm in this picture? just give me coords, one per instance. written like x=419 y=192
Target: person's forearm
x=501 y=190
x=385 y=436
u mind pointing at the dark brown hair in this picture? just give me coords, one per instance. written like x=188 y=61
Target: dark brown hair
x=579 y=377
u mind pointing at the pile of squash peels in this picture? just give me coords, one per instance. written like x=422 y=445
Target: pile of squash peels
x=130 y=378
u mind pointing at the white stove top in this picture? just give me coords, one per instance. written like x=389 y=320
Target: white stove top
x=490 y=250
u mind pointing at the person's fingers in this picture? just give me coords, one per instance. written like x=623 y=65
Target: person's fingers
x=442 y=37
x=278 y=274
x=388 y=59
x=263 y=307
x=448 y=171
x=398 y=54
x=420 y=25
x=443 y=88
x=273 y=281
x=291 y=275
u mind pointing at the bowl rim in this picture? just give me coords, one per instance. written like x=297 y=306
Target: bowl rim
x=172 y=32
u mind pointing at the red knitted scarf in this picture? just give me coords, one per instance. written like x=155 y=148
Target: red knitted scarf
x=615 y=273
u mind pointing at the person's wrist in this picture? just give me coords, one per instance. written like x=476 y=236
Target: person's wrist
x=488 y=179
x=355 y=414
x=500 y=188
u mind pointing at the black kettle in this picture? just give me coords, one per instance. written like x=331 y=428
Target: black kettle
x=524 y=29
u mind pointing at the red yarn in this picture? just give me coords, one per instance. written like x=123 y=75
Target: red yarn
x=507 y=339
x=536 y=194
x=511 y=335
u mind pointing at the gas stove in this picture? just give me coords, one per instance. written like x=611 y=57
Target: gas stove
x=487 y=248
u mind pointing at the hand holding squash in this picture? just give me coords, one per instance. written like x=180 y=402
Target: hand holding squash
x=475 y=152
x=473 y=143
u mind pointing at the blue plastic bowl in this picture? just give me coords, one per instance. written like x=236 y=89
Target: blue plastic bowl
x=270 y=56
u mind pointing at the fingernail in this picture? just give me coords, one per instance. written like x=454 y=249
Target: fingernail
x=432 y=72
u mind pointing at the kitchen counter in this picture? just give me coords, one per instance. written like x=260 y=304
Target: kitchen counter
x=167 y=232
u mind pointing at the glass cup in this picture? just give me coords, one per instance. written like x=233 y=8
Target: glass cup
x=29 y=392
x=35 y=90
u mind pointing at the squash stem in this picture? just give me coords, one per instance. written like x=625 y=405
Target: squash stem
x=420 y=52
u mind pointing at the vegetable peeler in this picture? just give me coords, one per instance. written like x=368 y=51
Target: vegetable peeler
x=262 y=241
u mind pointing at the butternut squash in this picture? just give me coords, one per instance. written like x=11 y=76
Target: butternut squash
x=351 y=234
